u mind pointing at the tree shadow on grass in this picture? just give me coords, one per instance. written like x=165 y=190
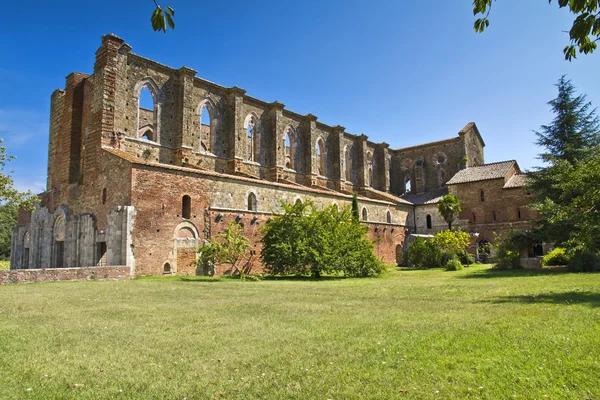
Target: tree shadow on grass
x=512 y=273
x=591 y=299
x=325 y=278
x=197 y=279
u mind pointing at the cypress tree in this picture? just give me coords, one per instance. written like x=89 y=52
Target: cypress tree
x=355 y=213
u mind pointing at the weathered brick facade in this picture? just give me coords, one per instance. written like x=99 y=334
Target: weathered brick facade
x=143 y=187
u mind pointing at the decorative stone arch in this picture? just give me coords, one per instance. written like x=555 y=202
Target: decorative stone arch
x=251 y=201
x=208 y=105
x=154 y=91
x=321 y=156
x=289 y=152
x=185 y=241
x=370 y=167
x=26 y=240
x=297 y=200
x=251 y=125
x=59 y=233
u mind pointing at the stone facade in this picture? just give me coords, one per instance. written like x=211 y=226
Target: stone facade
x=144 y=187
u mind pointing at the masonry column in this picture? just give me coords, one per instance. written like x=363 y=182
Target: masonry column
x=277 y=143
x=235 y=131
x=382 y=163
x=186 y=114
x=361 y=170
x=309 y=128
x=338 y=174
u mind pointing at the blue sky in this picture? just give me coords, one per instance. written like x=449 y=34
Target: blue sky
x=398 y=71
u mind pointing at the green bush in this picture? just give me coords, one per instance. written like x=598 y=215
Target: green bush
x=584 y=261
x=508 y=249
x=465 y=258
x=454 y=265
x=557 y=256
x=304 y=241
x=425 y=254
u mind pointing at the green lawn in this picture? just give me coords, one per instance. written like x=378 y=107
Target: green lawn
x=478 y=333
x=4 y=265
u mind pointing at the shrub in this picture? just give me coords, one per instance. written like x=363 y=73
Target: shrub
x=229 y=247
x=425 y=254
x=508 y=248
x=584 y=261
x=557 y=256
x=454 y=265
x=452 y=241
x=465 y=258
x=304 y=241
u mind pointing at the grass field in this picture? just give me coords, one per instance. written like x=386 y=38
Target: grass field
x=478 y=333
x=4 y=265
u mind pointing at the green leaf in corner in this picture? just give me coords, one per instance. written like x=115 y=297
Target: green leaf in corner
x=170 y=20
x=171 y=11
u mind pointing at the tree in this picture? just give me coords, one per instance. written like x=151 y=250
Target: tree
x=8 y=193
x=449 y=207
x=8 y=219
x=229 y=247
x=355 y=213
x=161 y=18
x=583 y=35
x=569 y=141
x=304 y=241
x=452 y=241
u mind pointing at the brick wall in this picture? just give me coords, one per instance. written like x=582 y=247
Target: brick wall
x=65 y=274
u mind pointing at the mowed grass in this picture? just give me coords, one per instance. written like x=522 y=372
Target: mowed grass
x=4 y=265
x=477 y=333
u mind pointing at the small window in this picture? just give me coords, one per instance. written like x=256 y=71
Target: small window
x=365 y=214
x=494 y=215
x=104 y=196
x=167 y=269
x=205 y=129
x=186 y=207
x=147 y=135
x=298 y=201
x=320 y=157
x=407 y=186
x=252 y=203
x=518 y=213
x=482 y=195
x=389 y=217
x=474 y=218
x=429 y=225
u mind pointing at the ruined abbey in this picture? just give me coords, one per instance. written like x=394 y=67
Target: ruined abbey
x=143 y=184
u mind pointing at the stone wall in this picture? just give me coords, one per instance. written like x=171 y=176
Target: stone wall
x=113 y=273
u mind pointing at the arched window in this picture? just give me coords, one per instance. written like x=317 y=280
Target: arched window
x=348 y=164
x=251 y=138
x=298 y=201
x=205 y=129
x=186 y=207
x=482 y=195
x=59 y=242
x=407 y=186
x=429 y=225
x=518 y=213
x=442 y=178
x=389 y=217
x=289 y=146
x=321 y=157
x=104 y=196
x=365 y=214
x=167 y=269
x=252 y=202
x=147 y=121
x=148 y=135
x=494 y=215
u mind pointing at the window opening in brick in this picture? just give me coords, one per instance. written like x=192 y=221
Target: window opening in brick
x=482 y=195
x=474 y=218
x=429 y=225
x=146 y=114
x=365 y=214
x=518 y=213
x=205 y=130
x=167 y=269
x=347 y=164
x=389 y=217
x=251 y=140
x=407 y=186
x=370 y=176
x=320 y=157
x=252 y=202
x=494 y=215
x=186 y=207
x=289 y=149
x=104 y=196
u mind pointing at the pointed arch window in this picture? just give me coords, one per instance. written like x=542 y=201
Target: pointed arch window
x=289 y=148
x=251 y=138
x=389 y=217
x=370 y=176
x=252 y=202
x=347 y=164
x=146 y=99
x=365 y=214
x=206 y=129
x=407 y=186
x=321 y=157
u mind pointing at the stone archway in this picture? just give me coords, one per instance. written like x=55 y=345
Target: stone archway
x=182 y=259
